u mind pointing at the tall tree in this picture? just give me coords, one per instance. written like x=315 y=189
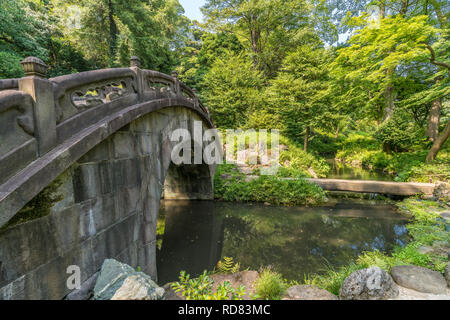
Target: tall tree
x=269 y=28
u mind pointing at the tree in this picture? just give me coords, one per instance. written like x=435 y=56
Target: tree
x=232 y=90
x=268 y=28
x=300 y=93
x=110 y=31
x=23 y=32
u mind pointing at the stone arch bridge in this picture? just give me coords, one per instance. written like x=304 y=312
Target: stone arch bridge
x=102 y=139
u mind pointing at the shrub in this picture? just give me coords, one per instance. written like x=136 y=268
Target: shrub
x=398 y=134
x=270 y=285
x=201 y=288
x=230 y=185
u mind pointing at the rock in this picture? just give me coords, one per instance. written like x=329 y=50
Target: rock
x=250 y=178
x=445 y=216
x=245 y=170
x=86 y=290
x=139 y=287
x=442 y=191
x=425 y=249
x=420 y=279
x=113 y=276
x=447 y=274
x=409 y=294
x=305 y=292
x=245 y=278
x=170 y=294
x=283 y=147
x=368 y=284
x=267 y=203
x=313 y=173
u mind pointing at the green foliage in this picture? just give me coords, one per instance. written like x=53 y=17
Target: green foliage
x=270 y=285
x=398 y=134
x=267 y=28
x=201 y=288
x=40 y=206
x=297 y=162
x=425 y=229
x=232 y=95
x=265 y=189
x=227 y=266
x=23 y=32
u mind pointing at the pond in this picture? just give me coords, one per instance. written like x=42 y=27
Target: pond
x=296 y=241
x=340 y=170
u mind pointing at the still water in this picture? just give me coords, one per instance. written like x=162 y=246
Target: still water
x=339 y=170
x=296 y=241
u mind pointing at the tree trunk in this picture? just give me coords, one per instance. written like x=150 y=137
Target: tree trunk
x=382 y=9
x=404 y=9
x=112 y=33
x=305 y=146
x=255 y=35
x=336 y=134
x=389 y=100
x=438 y=143
x=434 y=119
x=389 y=94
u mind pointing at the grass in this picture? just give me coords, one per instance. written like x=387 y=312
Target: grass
x=426 y=228
x=231 y=185
x=410 y=166
x=270 y=285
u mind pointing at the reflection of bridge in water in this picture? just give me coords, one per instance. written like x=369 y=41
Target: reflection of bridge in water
x=192 y=239
x=380 y=187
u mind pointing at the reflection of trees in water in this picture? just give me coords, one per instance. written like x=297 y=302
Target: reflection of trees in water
x=298 y=243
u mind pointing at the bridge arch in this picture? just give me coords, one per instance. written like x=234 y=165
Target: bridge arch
x=105 y=136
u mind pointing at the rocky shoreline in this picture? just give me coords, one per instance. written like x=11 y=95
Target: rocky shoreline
x=118 y=281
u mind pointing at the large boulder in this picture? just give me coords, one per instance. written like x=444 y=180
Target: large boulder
x=305 y=292
x=420 y=279
x=139 y=287
x=121 y=281
x=442 y=191
x=447 y=274
x=368 y=284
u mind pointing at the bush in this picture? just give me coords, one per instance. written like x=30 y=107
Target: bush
x=201 y=288
x=270 y=285
x=231 y=185
x=398 y=134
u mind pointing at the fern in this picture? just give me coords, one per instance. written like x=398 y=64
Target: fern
x=228 y=266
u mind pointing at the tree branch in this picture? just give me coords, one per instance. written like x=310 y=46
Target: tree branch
x=433 y=58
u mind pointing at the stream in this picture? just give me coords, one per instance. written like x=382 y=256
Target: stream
x=296 y=241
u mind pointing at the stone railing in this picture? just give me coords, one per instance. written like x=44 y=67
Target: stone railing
x=37 y=114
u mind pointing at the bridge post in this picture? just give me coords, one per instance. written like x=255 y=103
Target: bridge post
x=41 y=90
x=176 y=83
x=196 y=100
x=135 y=65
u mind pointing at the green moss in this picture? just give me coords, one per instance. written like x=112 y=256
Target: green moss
x=40 y=206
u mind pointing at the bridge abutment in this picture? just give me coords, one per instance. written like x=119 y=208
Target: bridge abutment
x=111 y=155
